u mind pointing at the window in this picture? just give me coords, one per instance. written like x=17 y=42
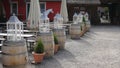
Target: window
x=103 y=13
x=14 y=8
x=42 y=7
x=27 y=9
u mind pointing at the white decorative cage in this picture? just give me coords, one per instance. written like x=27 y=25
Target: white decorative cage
x=14 y=29
x=75 y=17
x=86 y=17
x=44 y=26
x=80 y=18
x=58 y=21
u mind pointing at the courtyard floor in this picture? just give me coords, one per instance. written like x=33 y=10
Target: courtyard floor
x=98 y=48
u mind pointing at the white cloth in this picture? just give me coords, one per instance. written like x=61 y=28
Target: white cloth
x=64 y=11
x=34 y=14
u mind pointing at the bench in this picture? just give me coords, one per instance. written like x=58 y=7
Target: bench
x=30 y=44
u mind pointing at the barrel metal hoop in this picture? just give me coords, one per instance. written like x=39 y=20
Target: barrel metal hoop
x=47 y=41
x=13 y=45
x=13 y=66
x=61 y=35
x=14 y=54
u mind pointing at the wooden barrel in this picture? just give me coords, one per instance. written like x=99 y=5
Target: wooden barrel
x=48 y=41
x=14 y=53
x=88 y=25
x=83 y=28
x=17 y=66
x=60 y=33
x=75 y=31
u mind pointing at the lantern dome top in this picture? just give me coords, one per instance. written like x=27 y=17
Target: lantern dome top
x=75 y=14
x=44 y=16
x=58 y=16
x=14 y=19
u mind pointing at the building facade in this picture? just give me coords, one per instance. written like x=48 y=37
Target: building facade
x=21 y=7
x=100 y=11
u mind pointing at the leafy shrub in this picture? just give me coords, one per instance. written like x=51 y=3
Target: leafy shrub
x=39 y=48
x=55 y=39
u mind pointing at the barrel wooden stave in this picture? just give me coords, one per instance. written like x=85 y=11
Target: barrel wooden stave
x=88 y=26
x=14 y=54
x=75 y=31
x=13 y=49
x=83 y=26
x=17 y=66
x=48 y=41
x=60 y=33
x=12 y=60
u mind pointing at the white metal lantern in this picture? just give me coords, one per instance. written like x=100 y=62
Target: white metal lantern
x=86 y=16
x=75 y=17
x=80 y=18
x=58 y=21
x=44 y=26
x=87 y=19
x=14 y=29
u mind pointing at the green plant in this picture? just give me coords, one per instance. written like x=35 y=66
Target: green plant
x=55 y=39
x=84 y=21
x=80 y=27
x=106 y=10
x=39 y=48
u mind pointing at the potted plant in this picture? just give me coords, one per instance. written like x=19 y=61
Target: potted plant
x=84 y=21
x=56 y=44
x=38 y=53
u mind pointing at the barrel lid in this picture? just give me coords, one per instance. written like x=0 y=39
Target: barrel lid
x=14 y=43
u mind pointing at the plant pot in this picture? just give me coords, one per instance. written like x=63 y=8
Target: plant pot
x=56 y=47
x=38 y=57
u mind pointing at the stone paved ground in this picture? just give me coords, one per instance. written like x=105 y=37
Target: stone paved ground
x=99 y=48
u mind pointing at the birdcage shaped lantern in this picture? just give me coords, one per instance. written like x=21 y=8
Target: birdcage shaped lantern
x=44 y=26
x=80 y=18
x=14 y=29
x=86 y=17
x=58 y=21
x=75 y=17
